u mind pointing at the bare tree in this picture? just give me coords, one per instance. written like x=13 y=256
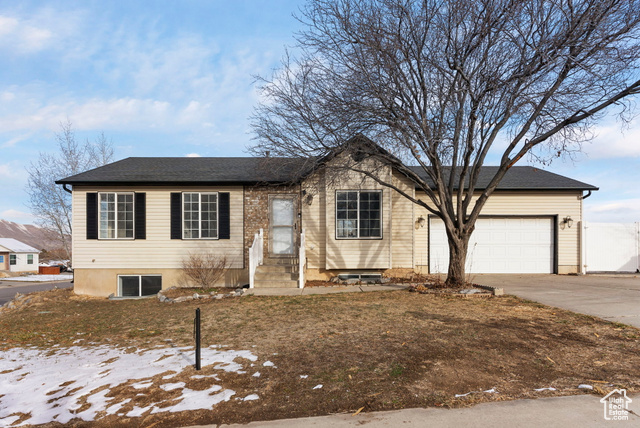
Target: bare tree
x=205 y=269
x=50 y=203
x=444 y=84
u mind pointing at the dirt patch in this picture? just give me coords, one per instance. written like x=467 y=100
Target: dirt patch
x=378 y=350
x=414 y=278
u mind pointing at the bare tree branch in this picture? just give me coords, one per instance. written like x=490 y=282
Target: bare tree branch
x=50 y=203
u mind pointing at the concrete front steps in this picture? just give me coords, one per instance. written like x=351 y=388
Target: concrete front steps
x=277 y=273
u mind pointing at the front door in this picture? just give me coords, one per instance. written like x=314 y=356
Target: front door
x=282 y=225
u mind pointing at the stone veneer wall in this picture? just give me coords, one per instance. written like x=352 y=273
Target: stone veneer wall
x=256 y=213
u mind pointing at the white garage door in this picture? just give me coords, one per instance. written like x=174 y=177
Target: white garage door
x=498 y=245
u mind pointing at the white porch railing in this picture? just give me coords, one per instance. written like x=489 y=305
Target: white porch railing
x=256 y=256
x=303 y=260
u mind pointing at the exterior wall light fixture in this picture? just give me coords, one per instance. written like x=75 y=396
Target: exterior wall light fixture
x=567 y=221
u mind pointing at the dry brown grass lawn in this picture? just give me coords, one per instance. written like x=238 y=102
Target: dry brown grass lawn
x=379 y=350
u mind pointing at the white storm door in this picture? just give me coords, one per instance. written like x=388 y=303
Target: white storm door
x=282 y=224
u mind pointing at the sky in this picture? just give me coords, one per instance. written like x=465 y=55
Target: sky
x=176 y=78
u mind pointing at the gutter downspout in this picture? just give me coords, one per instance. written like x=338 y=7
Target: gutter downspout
x=581 y=197
x=73 y=272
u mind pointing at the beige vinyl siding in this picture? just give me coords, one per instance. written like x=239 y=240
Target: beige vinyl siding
x=402 y=223
x=314 y=220
x=525 y=203
x=158 y=250
x=358 y=253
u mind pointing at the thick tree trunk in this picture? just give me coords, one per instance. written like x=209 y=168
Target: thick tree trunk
x=457 y=260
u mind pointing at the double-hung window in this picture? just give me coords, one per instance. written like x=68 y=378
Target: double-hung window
x=200 y=215
x=116 y=215
x=13 y=259
x=29 y=259
x=359 y=214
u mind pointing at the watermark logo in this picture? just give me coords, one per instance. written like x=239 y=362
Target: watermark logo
x=616 y=405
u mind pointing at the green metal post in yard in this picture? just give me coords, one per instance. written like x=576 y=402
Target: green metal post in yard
x=196 y=328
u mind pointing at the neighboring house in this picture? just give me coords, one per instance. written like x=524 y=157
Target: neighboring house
x=16 y=256
x=135 y=220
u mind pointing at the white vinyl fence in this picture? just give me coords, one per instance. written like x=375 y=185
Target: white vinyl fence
x=611 y=247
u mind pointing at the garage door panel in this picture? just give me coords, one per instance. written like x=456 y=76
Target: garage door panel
x=498 y=245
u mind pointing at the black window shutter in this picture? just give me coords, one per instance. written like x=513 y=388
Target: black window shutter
x=176 y=216
x=92 y=216
x=223 y=216
x=140 y=216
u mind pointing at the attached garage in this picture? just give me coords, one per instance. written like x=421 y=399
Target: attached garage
x=500 y=244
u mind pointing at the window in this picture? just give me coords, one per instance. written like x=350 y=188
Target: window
x=29 y=259
x=139 y=285
x=1 y=259
x=358 y=214
x=116 y=215
x=12 y=259
x=200 y=215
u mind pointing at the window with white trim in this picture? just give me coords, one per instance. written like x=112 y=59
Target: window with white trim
x=139 y=285
x=200 y=215
x=29 y=259
x=13 y=259
x=358 y=214
x=115 y=215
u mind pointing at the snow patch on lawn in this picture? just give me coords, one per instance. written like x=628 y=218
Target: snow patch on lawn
x=56 y=383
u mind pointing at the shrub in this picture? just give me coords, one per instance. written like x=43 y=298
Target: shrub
x=204 y=269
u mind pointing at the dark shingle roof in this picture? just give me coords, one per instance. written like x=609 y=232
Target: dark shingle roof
x=185 y=170
x=521 y=178
x=249 y=170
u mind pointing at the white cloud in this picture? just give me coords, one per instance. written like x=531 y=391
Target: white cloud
x=12 y=171
x=192 y=155
x=614 y=211
x=7 y=96
x=20 y=35
x=96 y=114
x=13 y=141
x=611 y=141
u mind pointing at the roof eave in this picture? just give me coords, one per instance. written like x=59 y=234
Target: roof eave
x=529 y=189
x=169 y=183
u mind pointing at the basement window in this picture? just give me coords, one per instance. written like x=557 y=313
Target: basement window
x=374 y=278
x=139 y=285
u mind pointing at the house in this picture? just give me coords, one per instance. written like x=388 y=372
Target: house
x=277 y=220
x=16 y=256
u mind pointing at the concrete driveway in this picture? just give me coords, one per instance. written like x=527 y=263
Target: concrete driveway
x=611 y=297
